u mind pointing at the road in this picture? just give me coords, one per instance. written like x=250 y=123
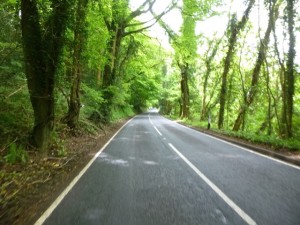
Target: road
x=155 y=171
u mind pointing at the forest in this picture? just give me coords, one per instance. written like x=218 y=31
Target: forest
x=81 y=64
x=70 y=69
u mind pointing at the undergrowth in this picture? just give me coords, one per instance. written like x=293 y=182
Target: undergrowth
x=273 y=141
x=16 y=154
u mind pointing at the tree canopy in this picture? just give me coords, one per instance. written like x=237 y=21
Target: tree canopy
x=86 y=64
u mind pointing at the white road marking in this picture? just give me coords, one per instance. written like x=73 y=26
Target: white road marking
x=150 y=119
x=154 y=126
x=48 y=212
x=157 y=131
x=237 y=209
x=257 y=153
x=243 y=148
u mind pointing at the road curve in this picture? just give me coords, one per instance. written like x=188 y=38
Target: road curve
x=155 y=171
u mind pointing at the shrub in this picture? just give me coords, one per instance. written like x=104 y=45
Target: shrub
x=16 y=154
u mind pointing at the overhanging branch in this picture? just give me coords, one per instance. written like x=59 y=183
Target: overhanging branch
x=156 y=19
x=140 y=10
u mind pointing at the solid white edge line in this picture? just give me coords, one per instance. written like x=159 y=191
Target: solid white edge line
x=243 y=148
x=237 y=209
x=58 y=200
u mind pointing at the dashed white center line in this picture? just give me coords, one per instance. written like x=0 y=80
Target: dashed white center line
x=236 y=208
x=150 y=119
x=225 y=198
x=157 y=131
x=154 y=126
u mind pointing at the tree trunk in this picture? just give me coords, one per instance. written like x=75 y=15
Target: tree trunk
x=41 y=93
x=290 y=79
x=180 y=107
x=270 y=115
x=185 y=98
x=208 y=62
x=283 y=130
x=71 y=118
x=109 y=73
x=41 y=56
x=204 y=108
x=256 y=71
x=282 y=121
x=235 y=30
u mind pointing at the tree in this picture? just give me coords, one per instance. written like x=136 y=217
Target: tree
x=185 y=46
x=79 y=43
x=289 y=78
x=250 y=96
x=143 y=73
x=120 y=23
x=185 y=52
x=209 y=57
x=235 y=29
x=42 y=48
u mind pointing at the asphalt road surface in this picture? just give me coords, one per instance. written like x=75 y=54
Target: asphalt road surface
x=155 y=171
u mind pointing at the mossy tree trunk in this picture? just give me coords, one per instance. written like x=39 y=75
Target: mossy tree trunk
x=289 y=77
x=109 y=74
x=80 y=37
x=42 y=51
x=235 y=29
x=185 y=96
x=209 y=68
x=250 y=96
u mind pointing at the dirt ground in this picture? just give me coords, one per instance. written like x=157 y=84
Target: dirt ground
x=27 y=190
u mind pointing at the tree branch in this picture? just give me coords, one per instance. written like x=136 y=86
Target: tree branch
x=139 y=10
x=156 y=18
x=15 y=92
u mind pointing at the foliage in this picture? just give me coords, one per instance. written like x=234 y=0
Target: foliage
x=170 y=94
x=143 y=74
x=122 y=113
x=15 y=111
x=146 y=75
x=58 y=148
x=16 y=154
x=272 y=141
x=263 y=119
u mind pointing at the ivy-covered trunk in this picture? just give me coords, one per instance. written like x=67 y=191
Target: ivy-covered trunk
x=235 y=29
x=208 y=63
x=248 y=100
x=185 y=97
x=289 y=74
x=79 y=44
x=186 y=46
x=109 y=73
x=41 y=57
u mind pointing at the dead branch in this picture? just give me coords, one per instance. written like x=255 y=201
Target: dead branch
x=15 y=92
x=93 y=125
x=12 y=50
x=40 y=181
x=6 y=146
x=66 y=162
x=54 y=158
